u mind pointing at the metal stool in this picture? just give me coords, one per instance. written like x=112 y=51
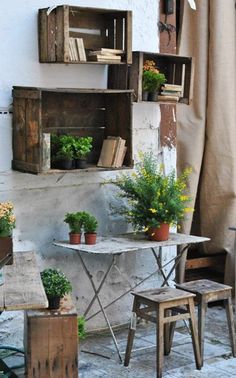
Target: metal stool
x=209 y=291
x=160 y=302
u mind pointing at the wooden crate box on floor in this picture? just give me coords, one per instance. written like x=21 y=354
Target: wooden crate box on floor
x=177 y=69
x=51 y=342
x=82 y=112
x=99 y=28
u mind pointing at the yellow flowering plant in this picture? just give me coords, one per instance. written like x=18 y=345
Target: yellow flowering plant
x=152 y=197
x=7 y=219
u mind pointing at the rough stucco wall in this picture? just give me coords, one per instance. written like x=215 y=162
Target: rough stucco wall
x=42 y=201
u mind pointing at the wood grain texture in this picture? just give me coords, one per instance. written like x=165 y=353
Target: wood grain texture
x=23 y=288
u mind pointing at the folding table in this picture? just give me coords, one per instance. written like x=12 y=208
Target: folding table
x=115 y=246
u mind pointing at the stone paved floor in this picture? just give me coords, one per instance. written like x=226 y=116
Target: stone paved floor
x=218 y=361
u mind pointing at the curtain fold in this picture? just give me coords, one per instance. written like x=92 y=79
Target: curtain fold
x=206 y=129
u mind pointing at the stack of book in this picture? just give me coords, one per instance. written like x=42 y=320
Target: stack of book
x=112 y=153
x=76 y=50
x=106 y=55
x=171 y=92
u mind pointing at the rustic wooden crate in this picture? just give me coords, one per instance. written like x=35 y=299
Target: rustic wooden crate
x=177 y=69
x=51 y=342
x=98 y=28
x=83 y=112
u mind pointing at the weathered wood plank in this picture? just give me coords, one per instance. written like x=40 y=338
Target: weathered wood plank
x=43 y=35
x=128 y=37
x=51 y=31
x=204 y=262
x=19 y=131
x=23 y=288
x=60 y=27
x=32 y=132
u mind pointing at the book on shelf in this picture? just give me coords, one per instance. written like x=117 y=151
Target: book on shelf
x=105 y=58
x=80 y=49
x=112 y=152
x=168 y=98
x=171 y=93
x=172 y=87
x=105 y=51
x=73 y=53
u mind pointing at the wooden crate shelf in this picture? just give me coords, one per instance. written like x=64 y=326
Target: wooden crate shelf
x=177 y=69
x=82 y=112
x=97 y=27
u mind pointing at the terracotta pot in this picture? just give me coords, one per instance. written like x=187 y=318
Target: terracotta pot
x=75 y=238
x=160 y=233
x=90 y=238
x=54 y=303
x=6 y=246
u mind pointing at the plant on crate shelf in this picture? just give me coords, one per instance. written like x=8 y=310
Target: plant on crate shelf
x=56 y=285
x=7 y=224
x=82 y=146
x=154 y=200
x=152 y=81
x=75 y=222
x=90 y=227
x=62 y=152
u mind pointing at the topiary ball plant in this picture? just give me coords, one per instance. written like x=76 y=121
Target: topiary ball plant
x=56 y=285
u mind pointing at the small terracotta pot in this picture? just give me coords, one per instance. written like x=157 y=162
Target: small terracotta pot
x=160 y=233
x=75 y=238
x=90 y=238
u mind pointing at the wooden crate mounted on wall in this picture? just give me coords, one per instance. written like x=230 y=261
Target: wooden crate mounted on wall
x=98 y=27
x=82 y=112
x=177 y=69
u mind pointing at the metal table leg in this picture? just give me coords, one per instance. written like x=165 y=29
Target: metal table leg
x=90 y=277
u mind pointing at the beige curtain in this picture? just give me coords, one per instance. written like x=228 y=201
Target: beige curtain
x=206 y=129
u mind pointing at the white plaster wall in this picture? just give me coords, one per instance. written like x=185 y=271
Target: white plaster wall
x=42 y=201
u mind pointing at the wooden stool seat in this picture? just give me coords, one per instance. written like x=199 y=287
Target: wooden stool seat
x=207 y=291
x=156 y=305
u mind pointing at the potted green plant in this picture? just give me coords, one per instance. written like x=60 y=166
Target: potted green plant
x=75 y=222
x=7 y=224
x=154 y=200
x=90 y=225
x=63 y=152
x=82 y=146
x=152 y=81
x=56 y=285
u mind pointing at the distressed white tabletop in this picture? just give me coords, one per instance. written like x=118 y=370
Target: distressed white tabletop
x=130 y=242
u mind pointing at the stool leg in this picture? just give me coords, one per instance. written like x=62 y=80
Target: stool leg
x=230 y=319
x=167 y=334
x=131 y=333
x=194 y=334
x=202 y=309
x=159 y=339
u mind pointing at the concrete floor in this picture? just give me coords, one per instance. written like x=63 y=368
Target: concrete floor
x=218 y=360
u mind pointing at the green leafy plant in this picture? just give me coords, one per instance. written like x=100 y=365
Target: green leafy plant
x=153 y=197
x=82 y=146
x=7 y=219
x=152 y=78
x=90 y=223
x=55 y=283
x=75 y=221
x=81 y=327
x=62 y=147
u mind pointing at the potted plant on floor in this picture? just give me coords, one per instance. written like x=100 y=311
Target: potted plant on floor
x=90 y=226
x=82 y=146
x=152 y=81
x=154 y=200
x=75 y=222
x=56 y=285
x=7 y=224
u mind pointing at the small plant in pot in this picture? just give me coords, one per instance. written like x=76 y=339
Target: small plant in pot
x=90 y=228
x=63 y=149
x=152 y=81
x=75 y=222
x=56 y=285
x=82 y=146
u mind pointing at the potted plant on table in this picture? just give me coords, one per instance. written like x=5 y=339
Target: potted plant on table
x=90 y=226
x=82 y=146
x=56 y=285
x=75 y=222
x=154 y=200
x=152 y=81
x=7 y=224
